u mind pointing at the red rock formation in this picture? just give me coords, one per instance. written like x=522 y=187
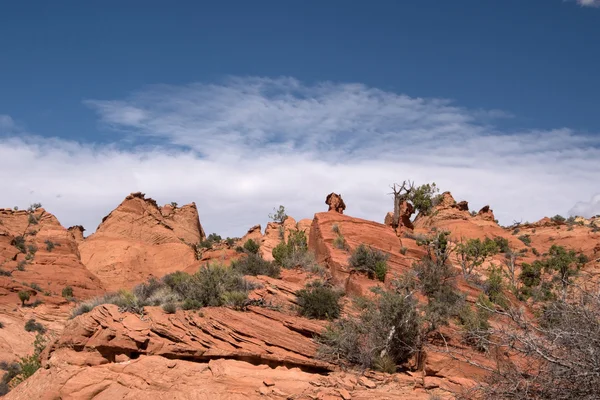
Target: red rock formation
x=48 y=259
x=77 y=232
x=335 y=203
x=486 y=214
x=138 y=240
x=355 y=231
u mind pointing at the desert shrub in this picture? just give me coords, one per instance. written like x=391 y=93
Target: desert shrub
x=387 y=326
x=24 y=296
x=494 y=286
x=33 y=326
x=191 y=304
x=436 y=281
x=475 y=324
x=12 y=370
x=35 y=286
x=251 y=246
x=30 y=364
x=403 y=250
x=385 y=364
x=239 y=249
x=294 y=252
x=502 y=244
x=318 y=300
x=50 y=245
x=169 y=308
x=371 y=261
x=526 y=239
x=235 y=299
x=32 y=249
x=253 y=264
x=278 y=215
x=4 y=272
x=212 y=283
x=19 y=243
x=67 y=292
x=340 y=243
x=558 y=219
x=473 y=253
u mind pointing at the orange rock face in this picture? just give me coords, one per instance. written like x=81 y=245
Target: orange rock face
x=356 y=232
x=43 y=264
x=138 y=240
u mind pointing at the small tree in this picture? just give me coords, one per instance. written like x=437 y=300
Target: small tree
x=279 y=215
x=565 y=263
x=67 y=292
x=24 y=296
x=473 y=253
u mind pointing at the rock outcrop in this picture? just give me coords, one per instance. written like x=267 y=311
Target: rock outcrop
x=335 y=203
x=139 y=239
x=357 y=231
x=37 y=255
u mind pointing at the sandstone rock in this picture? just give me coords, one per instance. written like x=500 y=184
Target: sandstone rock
x=52 y=267
x=367 y=383
x=486 y=213
x=136 y=241
x=355 y=231
x=77 y=232
x=335 y=203
x=463 y=205
x=265 y=336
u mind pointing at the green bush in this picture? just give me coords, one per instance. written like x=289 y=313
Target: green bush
x=213 y=285
x=371 y=261
x=24 y=296
x=169 y=308
x=294 y=253
x=19 y=243
x=35 y=286
x=502 y=243
x=403 y=250
x=475 y=324
x=317 y=300
x=387 y=326
x=340 y=243
x=5 y=273
x=67 y=292
x=191 y=304
x=494 y=286
x=253 y=264
x=251 y=247
x=50 y=245
x=526 y=239
x=558 y=219
x=33 y=326
x=473 y=253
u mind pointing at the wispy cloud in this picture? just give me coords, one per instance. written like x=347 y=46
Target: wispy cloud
x=248 y=144
x=587 y=3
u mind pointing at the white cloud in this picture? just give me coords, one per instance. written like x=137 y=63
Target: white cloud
x=587 y=209
x=589 y=3
x=249 y=144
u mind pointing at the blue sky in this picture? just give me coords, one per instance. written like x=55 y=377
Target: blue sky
x=496 y=100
